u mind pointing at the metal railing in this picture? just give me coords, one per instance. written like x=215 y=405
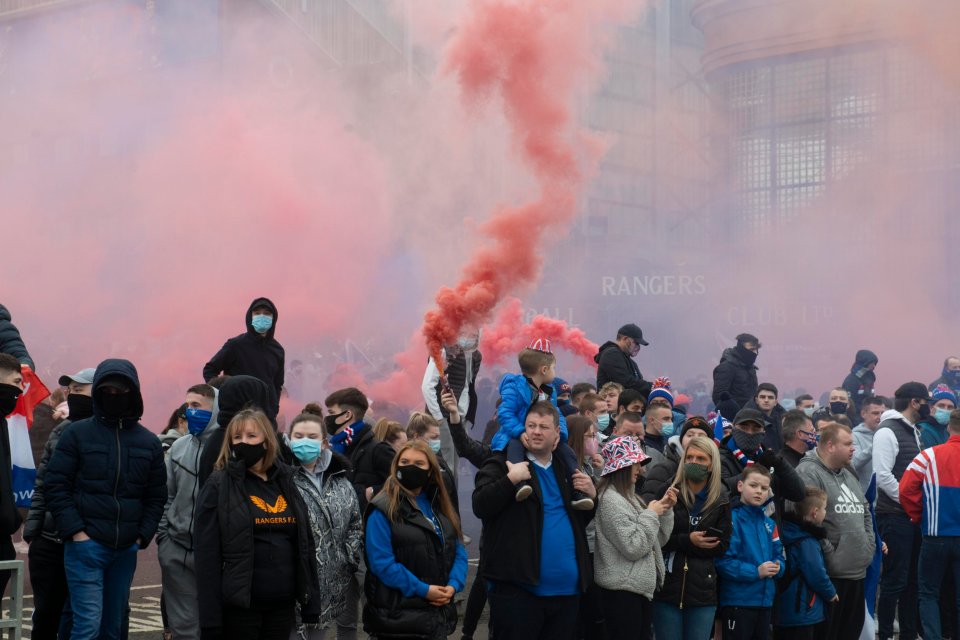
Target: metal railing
x=15 y=621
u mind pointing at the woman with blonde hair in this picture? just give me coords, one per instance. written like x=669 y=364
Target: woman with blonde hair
x=416 y=561
x=255 y=556
x=391 y=432
x=684 y=607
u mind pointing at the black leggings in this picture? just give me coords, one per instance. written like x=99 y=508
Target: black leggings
x=627 y=614
x=476 y=602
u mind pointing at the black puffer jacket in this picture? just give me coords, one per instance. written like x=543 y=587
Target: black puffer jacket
x=225 y=540
x=691 y=579
x=613 y=365
x=417 y=547
x=40 y=520
x=371 y=460
x=106 y=476
x=734 y=376
x=252 y=354
x=10 y=341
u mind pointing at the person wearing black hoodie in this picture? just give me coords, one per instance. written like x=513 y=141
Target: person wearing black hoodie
x=736 y=374
x=859 y=382
x=11 y=386
x=106 y=486
x=47 y=576
x=236 y=393
x=615 y=360
x=254 y=353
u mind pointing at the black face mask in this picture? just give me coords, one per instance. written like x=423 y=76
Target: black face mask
x=248 y=454
x=80 y=406
x=412 y=477
x=9 y=395
x=330 y=422
x=923 y=411
x=838 y=408
x=748 y=357
x=116 y=405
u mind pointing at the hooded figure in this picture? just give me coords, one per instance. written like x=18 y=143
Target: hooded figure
x=10 y=340
x=236 y=394
x=736 y=375
x=254 y=353
x=106 y=487
x=859 y=382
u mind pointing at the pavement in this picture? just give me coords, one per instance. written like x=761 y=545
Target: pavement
x=145 y=620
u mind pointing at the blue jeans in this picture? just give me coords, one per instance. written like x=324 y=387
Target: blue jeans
x=99 y=579
x=690 y=623
x=898 y=582
x=936 y=555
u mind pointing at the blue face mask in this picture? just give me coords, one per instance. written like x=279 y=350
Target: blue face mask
x=942 y=416
x=434 y=445
x=667 y=429
x=603 y=420
x=261 y=324
x=306 y=449
x=197 y=420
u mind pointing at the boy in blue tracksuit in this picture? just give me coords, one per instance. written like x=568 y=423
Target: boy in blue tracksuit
x=752 y=561
x=519 y=392
x=805 y=586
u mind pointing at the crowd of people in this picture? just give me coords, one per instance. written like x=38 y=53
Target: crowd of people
x=608 y=509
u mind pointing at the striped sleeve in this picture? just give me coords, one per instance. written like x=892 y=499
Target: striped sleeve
x=914 y=483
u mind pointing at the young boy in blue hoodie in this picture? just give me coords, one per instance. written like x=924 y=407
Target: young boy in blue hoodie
x=519 y=392
x=805 y=586
x=752 y=562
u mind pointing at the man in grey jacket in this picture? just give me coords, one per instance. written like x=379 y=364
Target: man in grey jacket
x=870 y=412
x=849 y=545
x=175 y=534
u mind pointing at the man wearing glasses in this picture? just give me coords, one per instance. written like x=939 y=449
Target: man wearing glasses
x=798 y=436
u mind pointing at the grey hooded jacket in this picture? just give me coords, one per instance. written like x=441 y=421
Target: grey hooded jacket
x=849 y=546
x=183 y=486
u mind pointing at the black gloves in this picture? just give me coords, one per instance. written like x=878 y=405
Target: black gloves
x=768 y=459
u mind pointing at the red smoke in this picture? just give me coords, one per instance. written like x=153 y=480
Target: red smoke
x=509 y=335
x=532 y=55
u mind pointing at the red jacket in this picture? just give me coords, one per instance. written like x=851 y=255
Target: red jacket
x=930 y=489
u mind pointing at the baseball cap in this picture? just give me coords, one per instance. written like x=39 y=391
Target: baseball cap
x=633 y=331
x=84 y=376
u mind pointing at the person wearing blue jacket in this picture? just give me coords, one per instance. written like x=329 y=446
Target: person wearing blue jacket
x=752 y=561
x=519 y=392
x=805 y=585
x=106 y=485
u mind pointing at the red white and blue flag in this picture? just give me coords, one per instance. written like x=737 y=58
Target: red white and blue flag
x=18 y=426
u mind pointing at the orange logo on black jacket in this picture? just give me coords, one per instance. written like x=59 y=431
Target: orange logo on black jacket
x=279 y=507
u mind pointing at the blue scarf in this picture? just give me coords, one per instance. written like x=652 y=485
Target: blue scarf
x=345 y=438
